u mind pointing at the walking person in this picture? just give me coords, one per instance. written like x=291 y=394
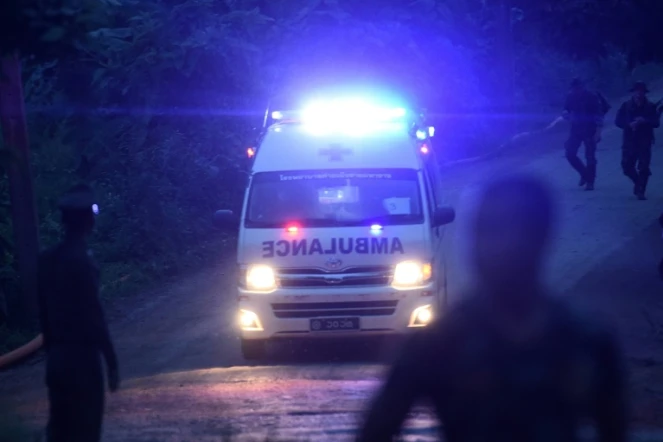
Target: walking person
x=638 y=117
x=585 y=111
x=511 y=362
x=74 y=327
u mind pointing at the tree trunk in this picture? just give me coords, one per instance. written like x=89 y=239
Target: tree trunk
x=23 y=208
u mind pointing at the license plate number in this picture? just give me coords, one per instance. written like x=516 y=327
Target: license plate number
x=334 y=324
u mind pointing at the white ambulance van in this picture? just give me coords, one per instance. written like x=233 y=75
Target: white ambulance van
x=340 y=233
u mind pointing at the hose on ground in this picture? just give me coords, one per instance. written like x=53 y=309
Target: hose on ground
x=22 y=352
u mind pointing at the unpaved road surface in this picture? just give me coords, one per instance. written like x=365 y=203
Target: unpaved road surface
x=184 y=378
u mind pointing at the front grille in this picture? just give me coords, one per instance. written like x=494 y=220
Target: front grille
x=330 y=309
x=349 y=277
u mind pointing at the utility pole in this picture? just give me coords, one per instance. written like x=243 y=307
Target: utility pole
x=23 y=207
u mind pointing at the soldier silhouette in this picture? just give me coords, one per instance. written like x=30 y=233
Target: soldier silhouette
x=74 y=327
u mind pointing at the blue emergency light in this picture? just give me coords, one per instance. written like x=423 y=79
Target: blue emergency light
x=342 y=112
x=354 y=116
x=351 y=111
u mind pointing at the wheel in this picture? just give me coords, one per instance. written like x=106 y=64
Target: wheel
x=253 y=349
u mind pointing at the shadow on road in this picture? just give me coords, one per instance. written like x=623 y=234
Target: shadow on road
x=331 y=351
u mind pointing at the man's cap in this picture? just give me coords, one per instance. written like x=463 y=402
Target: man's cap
x=79 y=197
x=640 y=86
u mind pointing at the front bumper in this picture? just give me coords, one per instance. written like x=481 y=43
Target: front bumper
x=287 y=314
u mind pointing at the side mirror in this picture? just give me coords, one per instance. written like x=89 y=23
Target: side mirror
x=226 y=220
x=443 y=216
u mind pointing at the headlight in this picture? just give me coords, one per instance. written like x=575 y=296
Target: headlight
x=421 y=316
x=261 y=278
x=409 y=274
x=249 y=321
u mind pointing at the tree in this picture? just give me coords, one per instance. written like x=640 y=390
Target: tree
x=24 y=215
x=44 y=29
x=162 y=94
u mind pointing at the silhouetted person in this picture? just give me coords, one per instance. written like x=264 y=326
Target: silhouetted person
x=638 y=117
x=74 y=328
x=510 y=362
x=585 y=111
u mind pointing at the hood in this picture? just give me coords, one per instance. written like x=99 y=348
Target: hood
x=333 y=248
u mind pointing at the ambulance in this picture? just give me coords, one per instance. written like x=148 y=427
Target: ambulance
x=340 y=234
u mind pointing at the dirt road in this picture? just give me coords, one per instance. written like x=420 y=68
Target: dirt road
x=184 y=378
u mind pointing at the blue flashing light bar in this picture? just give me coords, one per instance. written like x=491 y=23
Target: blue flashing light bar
x=351 y=111
x=345 y=110
x=353 y=116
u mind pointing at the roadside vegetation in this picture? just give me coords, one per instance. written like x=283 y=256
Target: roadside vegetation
x=156 y=107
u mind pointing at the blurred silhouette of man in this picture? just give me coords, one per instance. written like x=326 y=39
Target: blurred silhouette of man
x=510 y=362
x=585 y=111
x=74 y=327
x=638 y=117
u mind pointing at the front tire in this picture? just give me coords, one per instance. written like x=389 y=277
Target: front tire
x=253 y=349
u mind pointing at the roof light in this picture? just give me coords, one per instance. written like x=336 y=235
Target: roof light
x=353 y=116
x=398 y=112
x=424 y=149
x=356 y=129
x=350 y=111
x=292 y=229
x=376 y=228
x=431 y=131
x=421 y=134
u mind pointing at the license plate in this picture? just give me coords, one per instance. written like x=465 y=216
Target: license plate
x=334 y=324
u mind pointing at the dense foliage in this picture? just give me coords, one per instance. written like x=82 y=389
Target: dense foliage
x=154 y=101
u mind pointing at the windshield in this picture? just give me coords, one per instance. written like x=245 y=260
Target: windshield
x=334 y=198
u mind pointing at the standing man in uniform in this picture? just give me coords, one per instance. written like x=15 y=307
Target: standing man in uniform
x=511 y=362
x=638 y=117
x=74 y=327
x=585 y=111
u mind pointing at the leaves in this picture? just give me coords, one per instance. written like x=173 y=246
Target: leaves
x=119 y=33
x=6 y=156
x=97 y=75
x=160 y=96
x=54 y=34
x=40 y=27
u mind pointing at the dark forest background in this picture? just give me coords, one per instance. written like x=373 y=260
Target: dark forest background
x=153 y=102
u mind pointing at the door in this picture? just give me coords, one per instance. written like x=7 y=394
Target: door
x=437 y=237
